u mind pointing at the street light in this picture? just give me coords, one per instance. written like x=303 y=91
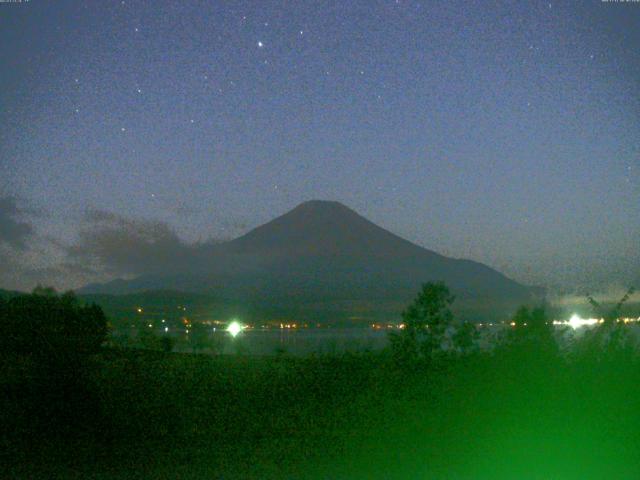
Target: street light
x=234 y=328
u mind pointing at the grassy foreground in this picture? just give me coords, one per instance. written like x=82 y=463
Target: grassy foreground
x=137 y=414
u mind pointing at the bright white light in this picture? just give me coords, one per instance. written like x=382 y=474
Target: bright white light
x=234 y=328
x=576 y=322
x=260 y=44
x=166 y=329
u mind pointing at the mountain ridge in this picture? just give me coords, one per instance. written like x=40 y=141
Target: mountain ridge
x=323 y=253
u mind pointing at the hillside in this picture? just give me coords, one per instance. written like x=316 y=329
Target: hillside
x=323 y=260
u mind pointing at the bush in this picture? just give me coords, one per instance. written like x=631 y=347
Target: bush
x=48 y=326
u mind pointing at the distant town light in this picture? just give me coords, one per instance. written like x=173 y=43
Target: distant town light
x=576 y=322
x=234 y=328
x=139 y=309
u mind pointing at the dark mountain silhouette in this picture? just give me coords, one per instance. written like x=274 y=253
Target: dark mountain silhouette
x=323 y=260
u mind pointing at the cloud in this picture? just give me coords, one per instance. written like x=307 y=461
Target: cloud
x=610 y=295
x=121 y=246
x=13 y=231
x=108 y=246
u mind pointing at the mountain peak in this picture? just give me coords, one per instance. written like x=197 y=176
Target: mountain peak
x=322 y=254
x=322 y=227
x=315 y=206
x=320 y=202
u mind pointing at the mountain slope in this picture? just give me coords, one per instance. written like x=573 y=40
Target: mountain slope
x=324 y=257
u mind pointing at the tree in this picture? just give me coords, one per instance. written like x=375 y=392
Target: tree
x=611 y=335
x=610 y=316
x=56 y=333
x=49 y=326
x=531 y=329
x=465 y=337
x=425 y=323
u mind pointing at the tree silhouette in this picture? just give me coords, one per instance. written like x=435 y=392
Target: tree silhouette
x=465 y=337
x=531 y=330
x=610 y=316
x=55 y=334
x=45 y=325
x=611 y=336
x=425 y=322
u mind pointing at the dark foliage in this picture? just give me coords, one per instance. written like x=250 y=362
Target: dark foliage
x=425 y=323
x=531 y=331
x=519 y=411
x=611 y=338
x=49 y=326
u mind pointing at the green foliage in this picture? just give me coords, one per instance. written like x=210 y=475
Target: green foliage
x=610 y=316
x=532 y=331
x=199 y=337
x=146 y=337
x=45 y=324
x=425 y=323
x=167 y=344
x=610 y=338
x=465 y=337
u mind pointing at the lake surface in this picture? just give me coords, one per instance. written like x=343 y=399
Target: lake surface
x=323 y=341
x=302 y=341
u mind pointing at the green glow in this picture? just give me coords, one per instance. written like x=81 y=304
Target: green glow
x=234 y=328
x=576 y=322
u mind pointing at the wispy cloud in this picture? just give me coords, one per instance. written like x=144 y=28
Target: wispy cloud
x=14 y=231
x=107 y=246
x=124 y=246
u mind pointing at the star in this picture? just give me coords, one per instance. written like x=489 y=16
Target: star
x=122 y=129
x=139 y=90
x=136 y=29
x=260 y=44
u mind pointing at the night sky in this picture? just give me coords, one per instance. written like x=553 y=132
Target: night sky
x=505 y=132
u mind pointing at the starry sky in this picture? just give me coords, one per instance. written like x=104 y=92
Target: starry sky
x=505 y=132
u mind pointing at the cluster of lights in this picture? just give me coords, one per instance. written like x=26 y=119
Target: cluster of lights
x=382 y=326
x=288 y=325
x=576 y=321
